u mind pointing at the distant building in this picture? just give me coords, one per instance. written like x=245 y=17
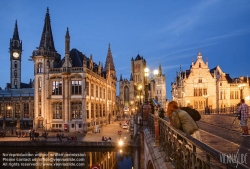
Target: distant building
x=201 y=87
x=17 y=100
x=132 y=91
x=73 y=93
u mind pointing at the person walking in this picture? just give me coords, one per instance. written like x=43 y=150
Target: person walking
x=181 y=120
x=243 y=110
x=30 y=133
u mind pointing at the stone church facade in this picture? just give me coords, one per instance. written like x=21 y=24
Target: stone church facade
x=74 y=93
x=132 y=91
x=201 y=87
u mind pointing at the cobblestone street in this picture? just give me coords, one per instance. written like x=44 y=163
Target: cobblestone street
x=225 y=126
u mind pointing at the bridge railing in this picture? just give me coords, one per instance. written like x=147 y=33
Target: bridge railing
x=184 y=151
x=221 y=110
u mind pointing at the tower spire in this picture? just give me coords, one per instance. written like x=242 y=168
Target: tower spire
x=47 y=42
x=67 y=62
x=109 y=60
x=160 y=70
x=15 y=59
x=16 y=34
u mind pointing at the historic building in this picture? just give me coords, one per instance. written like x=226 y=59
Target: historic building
x=132 y=91
x=201 y=88
x=73 y=93
x=16 y=100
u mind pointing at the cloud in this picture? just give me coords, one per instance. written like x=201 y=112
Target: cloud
x=188 y=18
x=228 y=35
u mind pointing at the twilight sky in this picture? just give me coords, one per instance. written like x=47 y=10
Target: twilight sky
x=163 y=32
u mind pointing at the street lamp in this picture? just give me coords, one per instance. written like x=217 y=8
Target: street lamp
x=241 y=87
x=12 y=120
x=146 y=73
x=206 y=108
x=140 y=91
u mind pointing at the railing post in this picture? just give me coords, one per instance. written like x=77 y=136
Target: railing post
x=156 y=122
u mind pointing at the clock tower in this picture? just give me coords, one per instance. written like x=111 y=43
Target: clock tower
x=15 y=60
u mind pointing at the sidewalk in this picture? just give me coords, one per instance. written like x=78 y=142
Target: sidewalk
x=110 y=130
x=225 y=146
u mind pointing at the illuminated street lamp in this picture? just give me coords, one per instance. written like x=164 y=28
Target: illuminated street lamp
x=146 y=73
x=241 y=87
x=12 y=121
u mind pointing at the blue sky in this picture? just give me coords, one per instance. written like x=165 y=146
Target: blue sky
x=164 y=32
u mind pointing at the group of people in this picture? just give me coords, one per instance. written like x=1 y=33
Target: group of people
x=21 y=134
x=72 y=138
x=32 y=134
x=106 y=139
x=180 y=119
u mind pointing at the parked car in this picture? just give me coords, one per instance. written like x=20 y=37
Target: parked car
x=125 y=126
x=2 y=134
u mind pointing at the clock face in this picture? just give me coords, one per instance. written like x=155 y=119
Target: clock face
x=15 y=55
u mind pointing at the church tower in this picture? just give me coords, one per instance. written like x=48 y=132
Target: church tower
x=111 y=80
x=160 y=87
x=44 y=57
x=15 y=59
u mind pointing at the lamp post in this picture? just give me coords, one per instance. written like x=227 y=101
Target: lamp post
x=146 y=73
x=206 y=107
x=12 y=120
x=241 y=88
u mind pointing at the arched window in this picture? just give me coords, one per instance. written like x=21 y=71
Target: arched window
x=15 y=73
x=15 y=64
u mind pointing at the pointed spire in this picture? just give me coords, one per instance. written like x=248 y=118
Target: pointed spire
x=16 y=34
x=47 y=41
x=160 y=70
x=121 y=77
x=199 y=54
x=15 y=42
x=109 y=60
x=67 y=62
x=67 y=42
x=131 y=77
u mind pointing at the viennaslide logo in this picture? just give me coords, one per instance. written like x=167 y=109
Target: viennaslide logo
x=233 y=158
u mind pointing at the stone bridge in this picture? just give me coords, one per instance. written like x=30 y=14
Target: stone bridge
x=167 y=147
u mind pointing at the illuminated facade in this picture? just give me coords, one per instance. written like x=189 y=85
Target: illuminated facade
x=201 y=87
x=73 y=93
x=132 y=91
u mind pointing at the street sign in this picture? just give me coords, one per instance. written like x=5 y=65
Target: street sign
x=95 y=166
x=119 y=132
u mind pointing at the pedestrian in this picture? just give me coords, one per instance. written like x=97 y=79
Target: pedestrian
x=58 y=137
x=30 y=133
x=243 y=110
x=180 y=119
